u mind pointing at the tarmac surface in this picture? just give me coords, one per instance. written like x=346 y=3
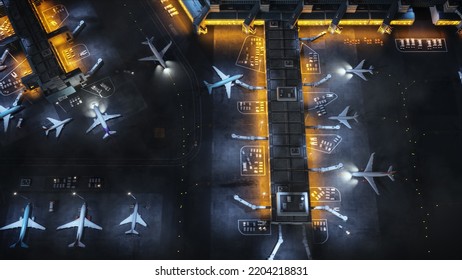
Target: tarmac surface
x=174 y=150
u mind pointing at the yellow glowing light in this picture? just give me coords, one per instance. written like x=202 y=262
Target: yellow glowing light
x=341 y=71
x=447 y=22
x=402 y=22
x=355 y=22
x=313 y=22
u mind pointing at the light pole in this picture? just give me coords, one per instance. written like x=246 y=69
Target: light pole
x=130 y=194
x=75 y=194
x=15 y=194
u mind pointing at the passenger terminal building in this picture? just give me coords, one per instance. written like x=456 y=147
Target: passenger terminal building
x=330 y=13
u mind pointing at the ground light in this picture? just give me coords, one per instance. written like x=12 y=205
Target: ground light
x=17 y=194
x=130 y=194
x=75 y=194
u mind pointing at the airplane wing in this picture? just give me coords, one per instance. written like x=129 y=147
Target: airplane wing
x=372 y=183
x=107 y=117
x=346 y=123
x=53 y=121
x=58 y=130
x=344 y=112
x=360 y=65
x=2 y=108
x=369 y=163
x=95 y=124
x=228 y=90
x=148 y=58
x=6 y=121
x=221 y=74
x=127 y=220
x=35 y=225
x=361 y=75
x=140 y=221
x=164 y=50
x=74 y=223
x=90 y=224
x=13 y=225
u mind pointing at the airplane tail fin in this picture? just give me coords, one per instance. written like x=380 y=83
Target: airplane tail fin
x=22 y=244
x=355 y=117
x=109 y=133
x=390 y=173
x=46 y=130
x=148 y=40
x=209 y=87
x=371 y=68
x=77 y=243
x=132 y=231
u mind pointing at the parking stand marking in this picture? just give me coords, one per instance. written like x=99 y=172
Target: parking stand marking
x=252 y=161
x=324 y=143
x=320 y=231
x=254 y=227
x=251 y=107
x=252 y=54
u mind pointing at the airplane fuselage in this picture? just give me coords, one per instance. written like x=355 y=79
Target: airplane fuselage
x=25 y=221
x=11 y=111
x=135 y=212
x=352 y=71
x=100 y=118
x=156 y=54
x=83 y=212
x=342 y=118
x=227 y=80
x=370 y=174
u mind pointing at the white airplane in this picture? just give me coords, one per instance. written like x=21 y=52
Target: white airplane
x=80 y=223
x=343 y=118
x=101 y=120
x=7 y=113
x=358 y=70
x=134 y=218
x=369 y=175
x=58 y=125
x=24 y=222
x=226 y=81
x=158 y=56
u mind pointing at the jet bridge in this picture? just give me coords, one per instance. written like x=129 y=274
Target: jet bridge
x=296 y=14
x=247 y=25
x=333 y=26
x=385 y=26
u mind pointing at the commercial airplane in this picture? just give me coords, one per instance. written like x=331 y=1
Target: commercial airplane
x=226 y=81
x=101 y=120
x=24 y=222
x=158 y=56
x=358 y=70
x=2 y=60
x=343 y=118
x=7 y=113
x=58 y=125
x=134 y=218
x=369 y=175
x=80 y=223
